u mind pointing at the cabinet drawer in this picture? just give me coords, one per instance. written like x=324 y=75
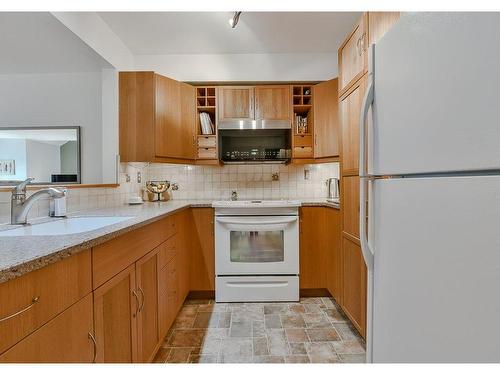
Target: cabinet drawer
x=206 y=141
x=207 y=153
x=110 y=258
x=302 y=152
x=167 y=251
x=30 y=301
x=64 y=339
x=303 y=141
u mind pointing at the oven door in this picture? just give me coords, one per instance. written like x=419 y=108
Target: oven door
x=257 y=245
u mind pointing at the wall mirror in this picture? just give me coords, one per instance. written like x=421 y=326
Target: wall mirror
x=51 y=155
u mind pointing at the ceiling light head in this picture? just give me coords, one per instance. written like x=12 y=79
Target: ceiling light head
x=234 y=20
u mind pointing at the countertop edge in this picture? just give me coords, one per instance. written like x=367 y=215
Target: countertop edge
x=37 y=263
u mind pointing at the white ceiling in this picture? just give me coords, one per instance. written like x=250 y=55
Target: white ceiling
x=159 y=33
x=38 y=43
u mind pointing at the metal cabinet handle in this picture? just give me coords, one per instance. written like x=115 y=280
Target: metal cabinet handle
x=94 y=342
x=142 y=300
x=137 y=302
x=33 y=302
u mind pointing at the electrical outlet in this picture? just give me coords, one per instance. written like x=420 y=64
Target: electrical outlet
x=307 y=174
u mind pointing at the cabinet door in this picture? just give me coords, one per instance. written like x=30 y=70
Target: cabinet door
x=66 y=338
x=115 y=316
x=184 y=251
x=334 y=273
x=350 y=107
x=326 y=119
x=186 y=136
x=353 y=56
x=168 y=296
x=354 y=284
x=175 y=121
x=313 y=248
x=147 y=322
x=203 y=250
x=272 y=102
x=350 y=205
x=235 y=103
x=379 y=23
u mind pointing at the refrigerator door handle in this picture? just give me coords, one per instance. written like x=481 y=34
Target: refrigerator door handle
x=367 y=102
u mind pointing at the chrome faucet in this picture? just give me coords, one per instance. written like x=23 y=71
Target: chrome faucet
x=234 y=195
x=20 y=206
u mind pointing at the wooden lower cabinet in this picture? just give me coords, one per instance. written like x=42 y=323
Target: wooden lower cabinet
x=313 y=248
x=116 y=304
x=354 y=284
x=334 y=274
x=169 y=300
x=147 y=323
x=64 y=339
x=202 y=247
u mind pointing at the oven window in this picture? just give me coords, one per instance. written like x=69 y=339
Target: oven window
x=257 y=247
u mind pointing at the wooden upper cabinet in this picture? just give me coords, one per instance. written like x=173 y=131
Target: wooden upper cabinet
x=175 y=119
x=235 y=103
x=353 y=55
x=157 y=118
x=272 y=102
x=350 y=107
x=116 y=305
x=147 y=286
x=326 y=119
x=65 y=339
x=136 y=116
x=379 y=23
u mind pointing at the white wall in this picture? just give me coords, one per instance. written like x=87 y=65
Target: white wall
x=42 y=160
x=242 y=67
x=69 y=99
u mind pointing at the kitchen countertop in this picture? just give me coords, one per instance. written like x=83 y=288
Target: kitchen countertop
x=22 y=254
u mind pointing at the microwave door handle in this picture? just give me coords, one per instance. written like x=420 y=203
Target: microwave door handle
x=251 y=222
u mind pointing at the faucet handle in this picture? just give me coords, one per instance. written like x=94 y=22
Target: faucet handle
x=21 y=188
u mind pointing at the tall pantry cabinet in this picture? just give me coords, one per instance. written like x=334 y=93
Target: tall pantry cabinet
x=353 y=68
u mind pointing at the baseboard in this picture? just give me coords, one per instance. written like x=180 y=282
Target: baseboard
x=320 y=292
x=201 y=294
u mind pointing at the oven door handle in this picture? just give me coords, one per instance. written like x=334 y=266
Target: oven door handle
x=224 y=220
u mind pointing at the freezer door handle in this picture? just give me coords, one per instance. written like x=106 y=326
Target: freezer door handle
x=367 y=102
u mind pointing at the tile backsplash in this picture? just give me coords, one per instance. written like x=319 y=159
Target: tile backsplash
x=197 y=182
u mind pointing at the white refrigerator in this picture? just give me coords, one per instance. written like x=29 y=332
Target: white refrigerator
x=430 y=135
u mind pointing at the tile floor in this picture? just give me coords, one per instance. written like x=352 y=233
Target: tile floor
x=313 y=330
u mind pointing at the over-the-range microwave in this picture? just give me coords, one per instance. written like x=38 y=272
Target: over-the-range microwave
x=254 y=141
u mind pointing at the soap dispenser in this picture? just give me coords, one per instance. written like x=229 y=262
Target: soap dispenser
x=57 y=206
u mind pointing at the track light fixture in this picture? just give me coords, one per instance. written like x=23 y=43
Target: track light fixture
x=234 y=21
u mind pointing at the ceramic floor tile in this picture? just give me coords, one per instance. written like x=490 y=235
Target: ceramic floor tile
x=322 y=334
x=206 y=320
x=241 y=329
x=297 y=359
x=292 y=321
x=314 y=330
x=296 y=335
x=187 y=338
x=272 y=321
x=179 y=355
x=162 y=355
x=260 y=346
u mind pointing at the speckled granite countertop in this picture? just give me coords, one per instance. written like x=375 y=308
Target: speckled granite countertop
x=22 y=254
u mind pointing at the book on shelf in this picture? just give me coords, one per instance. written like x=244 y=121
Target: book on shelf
x=207 y=127
x=300 y=124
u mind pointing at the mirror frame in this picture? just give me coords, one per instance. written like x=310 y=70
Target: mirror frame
x=78 y=161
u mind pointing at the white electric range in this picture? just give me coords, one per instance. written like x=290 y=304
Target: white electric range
x=256 y=250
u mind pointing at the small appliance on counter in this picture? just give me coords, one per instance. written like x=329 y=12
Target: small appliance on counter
x=156 y=191
x=333 y=190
